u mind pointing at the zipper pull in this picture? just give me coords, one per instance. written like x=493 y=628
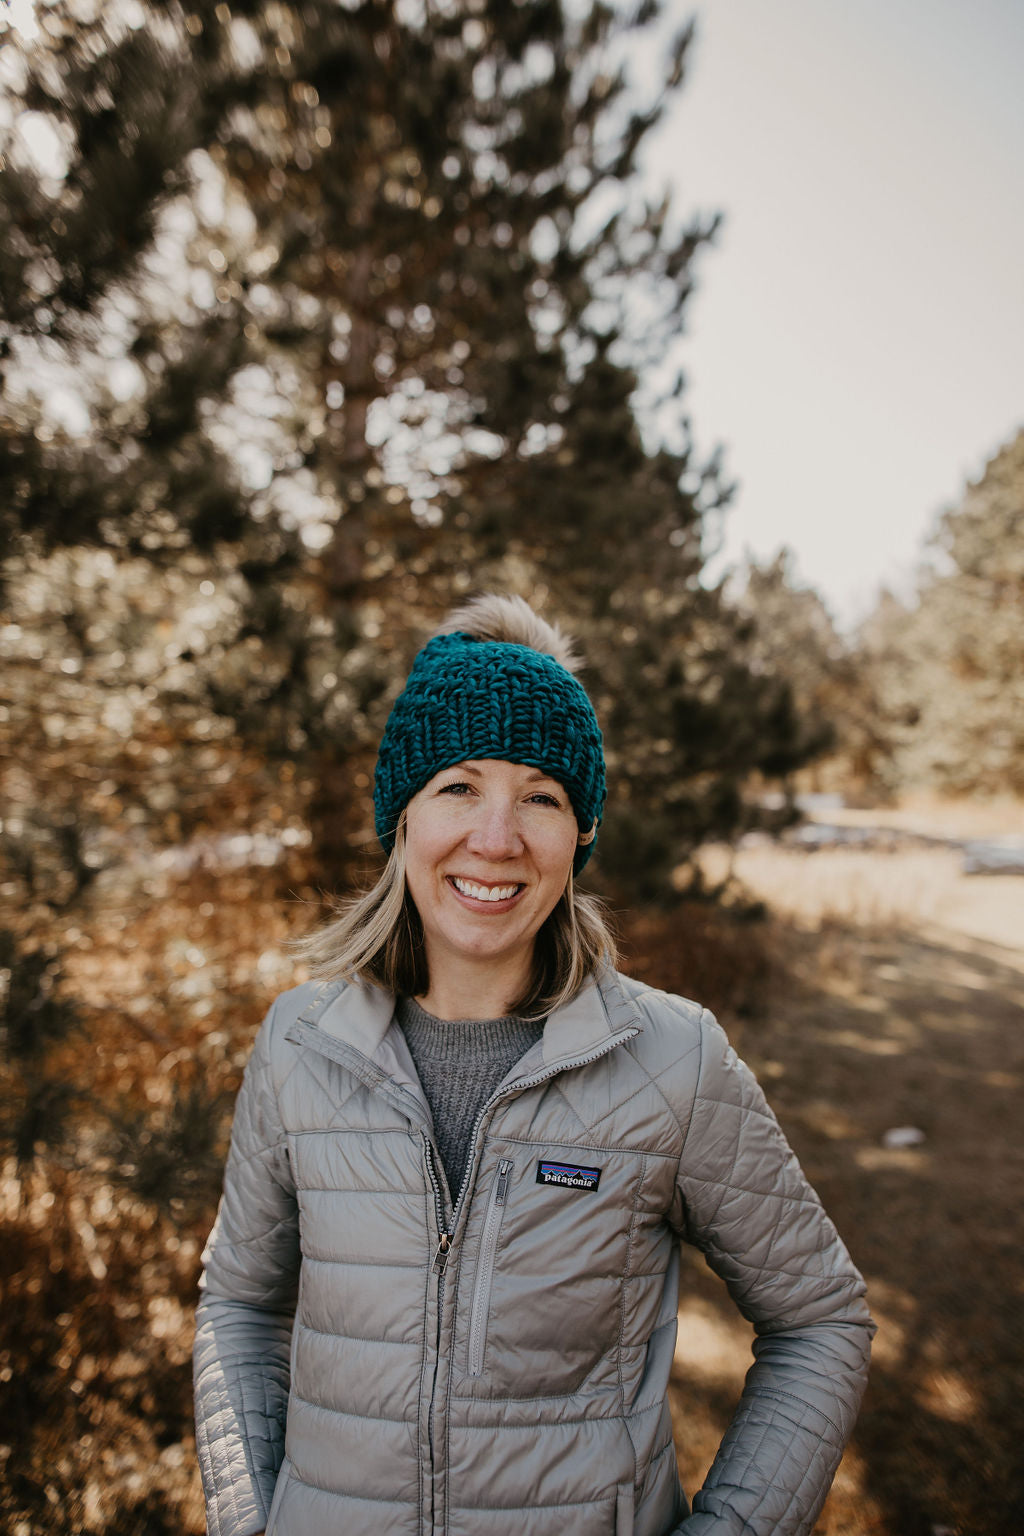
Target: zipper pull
x=444 y=1248
x=501 y=1189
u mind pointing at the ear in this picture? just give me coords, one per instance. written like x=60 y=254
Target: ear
x=586 y=838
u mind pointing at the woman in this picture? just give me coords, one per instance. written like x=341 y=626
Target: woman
x=441 y=1292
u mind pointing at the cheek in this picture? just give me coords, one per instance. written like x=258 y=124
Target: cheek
x=559 y=855
x=427 y=836
x=420 y=860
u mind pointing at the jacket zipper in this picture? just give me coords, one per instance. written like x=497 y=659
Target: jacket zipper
x=485 y=1268
x=438 y=1267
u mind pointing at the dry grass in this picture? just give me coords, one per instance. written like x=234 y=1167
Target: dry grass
x=910 y=889
x=847 y=885
x=932 y=815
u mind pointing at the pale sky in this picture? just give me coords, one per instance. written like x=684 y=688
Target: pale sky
x=857 y=338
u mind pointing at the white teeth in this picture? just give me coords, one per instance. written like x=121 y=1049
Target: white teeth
x=484 y=892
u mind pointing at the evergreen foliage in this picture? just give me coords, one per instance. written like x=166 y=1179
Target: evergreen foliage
x=948 y=668
x=795 y=641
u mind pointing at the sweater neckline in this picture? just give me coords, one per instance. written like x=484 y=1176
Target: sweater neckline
x=451 y=1038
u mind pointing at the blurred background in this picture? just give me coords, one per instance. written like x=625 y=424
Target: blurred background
x=700 y=327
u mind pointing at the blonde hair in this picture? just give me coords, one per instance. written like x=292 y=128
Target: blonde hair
x=377 y=935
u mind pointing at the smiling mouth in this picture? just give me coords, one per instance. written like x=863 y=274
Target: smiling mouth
x=485 y=892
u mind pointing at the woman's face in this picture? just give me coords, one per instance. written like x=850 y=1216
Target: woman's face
x=489 y=847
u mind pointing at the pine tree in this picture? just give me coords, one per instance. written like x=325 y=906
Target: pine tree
x=948 y=667
x=796 y=641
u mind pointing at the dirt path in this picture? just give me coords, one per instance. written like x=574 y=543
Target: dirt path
x=870 y=1025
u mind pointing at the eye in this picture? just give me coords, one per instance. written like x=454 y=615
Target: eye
x=541 y=797
x=456 y=787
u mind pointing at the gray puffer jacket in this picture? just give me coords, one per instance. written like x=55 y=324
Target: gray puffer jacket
x=371 y=1362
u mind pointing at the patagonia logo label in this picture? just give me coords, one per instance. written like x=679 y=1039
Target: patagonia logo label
x=569 y=1175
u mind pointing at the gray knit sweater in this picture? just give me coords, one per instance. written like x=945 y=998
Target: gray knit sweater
x=460 y=1063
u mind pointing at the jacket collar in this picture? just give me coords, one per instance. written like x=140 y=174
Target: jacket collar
x=596 y=1017
x=359 y=1015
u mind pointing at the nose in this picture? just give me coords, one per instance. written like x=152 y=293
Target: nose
x=495 y=834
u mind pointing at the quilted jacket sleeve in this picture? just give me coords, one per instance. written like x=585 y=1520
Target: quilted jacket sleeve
x=246 y=1309
x=746 y=1204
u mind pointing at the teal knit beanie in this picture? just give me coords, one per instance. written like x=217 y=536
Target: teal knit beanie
x=468 y=698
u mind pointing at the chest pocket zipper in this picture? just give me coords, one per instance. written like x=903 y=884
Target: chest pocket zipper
x=485 y=1268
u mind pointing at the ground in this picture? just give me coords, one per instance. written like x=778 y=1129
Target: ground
x=897 y=1001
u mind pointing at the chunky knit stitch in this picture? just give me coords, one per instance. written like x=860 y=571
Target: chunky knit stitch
x=468 y=698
